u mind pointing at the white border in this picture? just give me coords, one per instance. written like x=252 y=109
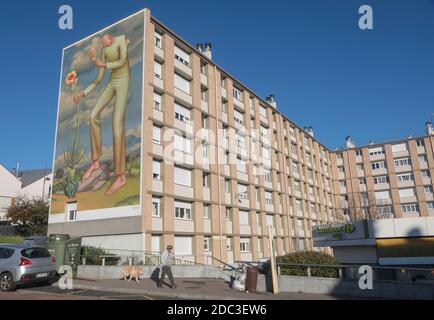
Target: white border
x=52 y=217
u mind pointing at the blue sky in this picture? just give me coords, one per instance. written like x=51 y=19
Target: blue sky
x=326 y=72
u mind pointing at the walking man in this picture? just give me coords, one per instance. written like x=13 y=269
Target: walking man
x=166 y=262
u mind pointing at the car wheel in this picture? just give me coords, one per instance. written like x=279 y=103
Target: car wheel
x=7 y=282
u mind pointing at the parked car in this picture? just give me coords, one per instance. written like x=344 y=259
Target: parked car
x=23 y=264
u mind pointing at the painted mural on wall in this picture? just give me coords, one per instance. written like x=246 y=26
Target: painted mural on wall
x=98 y=143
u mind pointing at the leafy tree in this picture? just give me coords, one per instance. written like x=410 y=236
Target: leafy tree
x=29 y=215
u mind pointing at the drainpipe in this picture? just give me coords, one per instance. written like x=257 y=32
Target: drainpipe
x=218 y=163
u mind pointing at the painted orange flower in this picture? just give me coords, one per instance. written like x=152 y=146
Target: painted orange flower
x=71 y=78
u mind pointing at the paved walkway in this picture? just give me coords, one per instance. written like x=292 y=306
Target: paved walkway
x=192 y=289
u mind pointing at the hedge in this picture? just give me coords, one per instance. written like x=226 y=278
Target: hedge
x=307 y=258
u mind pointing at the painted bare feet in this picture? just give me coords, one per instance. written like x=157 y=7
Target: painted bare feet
x=119 y=182
x=94 y=166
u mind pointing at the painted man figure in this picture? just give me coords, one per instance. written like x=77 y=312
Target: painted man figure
x=114 y=57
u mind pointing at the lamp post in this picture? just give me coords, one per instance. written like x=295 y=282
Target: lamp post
x=43 y=187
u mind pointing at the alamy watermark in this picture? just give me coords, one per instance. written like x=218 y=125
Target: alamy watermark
x=66 y=19
x=366 y=280
x=366 y=21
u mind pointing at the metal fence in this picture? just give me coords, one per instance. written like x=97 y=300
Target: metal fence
x=349 y=272
x=116 y=257
x=7 y=231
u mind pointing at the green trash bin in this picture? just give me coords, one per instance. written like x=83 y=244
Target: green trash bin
x=66 y=249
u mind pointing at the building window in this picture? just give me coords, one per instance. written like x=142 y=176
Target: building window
x=158 y=67
x=410 y=208
x=158 y=40
x=156 y=135
x=402 y=162
x=404 y=177
x=156 y=207
x=381 y=179
x=238 y=94
x=269 y=220
x=359 y=153
x=205 y=180
x=425 y=174
x=362 y=181
x=244 y=244
x=428 y=189
x=399 y=147
x=405 y=193
x=156 y=169
x=207 y=243
x=203 y=68
x=224 y=106
x=206 y=208
x=378 y=165
x=263 y=111
x=430 y=205
x=204 y=94
x=223 y=82
x=182 y=176
x=182 y=113
x=376 y=151
x=341 y=169
x=183 y=210
x=241 y=165
x=242 y=192
x=157 y=101
x=229 y=244
x=182 y=56
x=422 y=158
x=182 y=84
x=244 y=218
x=268 y=197
x=227 y=185
x=71 y=209
x=239 y=117
x=420 y=143
x=182 y=144
x=228 y=214
x=339 y=156
x=267 y=175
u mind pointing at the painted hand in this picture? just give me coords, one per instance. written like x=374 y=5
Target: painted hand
x=92 y=54
x=99 y=64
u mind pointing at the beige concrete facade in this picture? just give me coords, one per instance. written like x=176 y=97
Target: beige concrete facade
x=299 y=180
x=282 y=176
x=395 y=177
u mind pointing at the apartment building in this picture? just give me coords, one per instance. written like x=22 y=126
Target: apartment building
x=210 y=165
x=225 y=165
x=386 y=180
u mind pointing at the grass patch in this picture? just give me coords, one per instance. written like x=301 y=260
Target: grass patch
x=15 y=239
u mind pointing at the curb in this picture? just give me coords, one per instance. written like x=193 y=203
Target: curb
x=180 y=295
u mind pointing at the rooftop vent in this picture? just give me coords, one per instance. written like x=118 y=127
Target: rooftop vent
x=429 y=128
x=350 y=142
x=310 y=131
x=271 y=99
x=205 y=48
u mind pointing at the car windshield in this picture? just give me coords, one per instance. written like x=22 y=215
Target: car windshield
x=33 y=253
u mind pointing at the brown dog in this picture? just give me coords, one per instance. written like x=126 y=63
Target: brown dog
x=132 y=272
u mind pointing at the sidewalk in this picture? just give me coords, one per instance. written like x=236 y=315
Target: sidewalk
x=191 y=289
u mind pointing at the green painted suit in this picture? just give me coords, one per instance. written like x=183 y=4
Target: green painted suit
x=116 y=59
